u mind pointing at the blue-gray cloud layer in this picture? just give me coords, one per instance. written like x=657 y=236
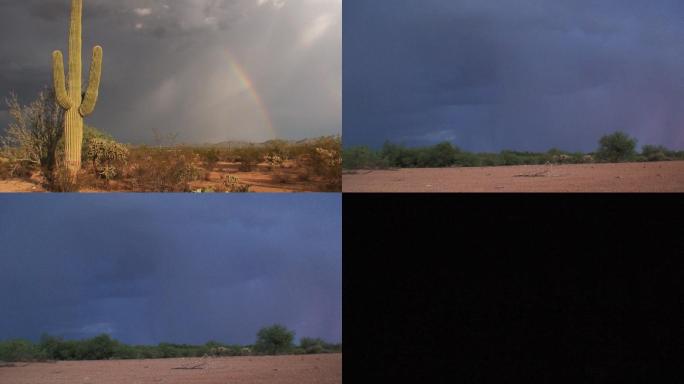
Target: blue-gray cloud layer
x=168 y=65
x=529 y=74
x=154 y=268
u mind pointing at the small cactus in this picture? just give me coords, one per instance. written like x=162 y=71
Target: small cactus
x=70 y=96
x=234 y=185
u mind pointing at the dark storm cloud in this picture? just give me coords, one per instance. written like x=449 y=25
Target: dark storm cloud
x=168 y=65
x=151 y=269
x=529 y=74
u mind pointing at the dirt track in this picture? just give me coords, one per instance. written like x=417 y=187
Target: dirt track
x=302 y=369
x=624 y=177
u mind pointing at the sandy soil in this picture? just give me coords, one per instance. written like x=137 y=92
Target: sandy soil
x=303 y=369
x=625 y=177
x=261 y=179
x=19 y=185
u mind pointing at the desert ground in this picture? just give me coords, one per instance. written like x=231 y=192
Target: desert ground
x=667 y=176
x=289 y=178
x=299 y=369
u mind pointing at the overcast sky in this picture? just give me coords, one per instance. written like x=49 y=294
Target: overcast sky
x=525 y=74
x=209 y=70
x=152 y=268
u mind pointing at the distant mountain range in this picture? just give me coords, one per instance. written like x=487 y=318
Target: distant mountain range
x=242 y=144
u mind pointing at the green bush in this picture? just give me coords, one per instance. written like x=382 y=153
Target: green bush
x=362 y=158
x=17 y=350
x=249 y=157
x=273 y=340
x=467 y=159
x=210 y=156
x=616 y=147
x=655 y=153
x=101 y=347
x=510 y=158
x=310 y=345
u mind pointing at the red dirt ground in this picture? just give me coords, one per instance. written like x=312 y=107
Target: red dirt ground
x=301 y=369
x=261 y=179
x=665 y=176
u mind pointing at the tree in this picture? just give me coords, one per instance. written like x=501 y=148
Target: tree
x=37 y=128
x=98 y=348
x=444 y=154
x=616 y=147
x=274 y=339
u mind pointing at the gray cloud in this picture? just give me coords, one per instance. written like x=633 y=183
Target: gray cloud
x=210 y=70
x=528 y=75
x=151 y=269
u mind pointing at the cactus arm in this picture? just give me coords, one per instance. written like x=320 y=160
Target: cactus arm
x=90 y=99
x=58 y=77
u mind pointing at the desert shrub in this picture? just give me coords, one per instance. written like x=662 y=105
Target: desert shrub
x=167 y=350
x=273 y=340
x=490 y=159
x=310 y=345
x=392 y=153
x=442 y=155
x=509 y=158
x=17 y=350
x=209 y=156
x=361 y=158
x=33 y=135
x=274 y=161
x=616 y=147
x=105 y=155
x=163 y=170
x=655 y=153
x=123 y=351
x=89 y=133
x=466 y=159
x=98 y=348
x=11 y=169
x=328 y=164
x=234 y=185
x=279 y=148
x=249 y=157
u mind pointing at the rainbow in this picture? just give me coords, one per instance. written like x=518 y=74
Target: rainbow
x=242 y=75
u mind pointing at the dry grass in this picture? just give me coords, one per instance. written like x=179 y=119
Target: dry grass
x=308 y=167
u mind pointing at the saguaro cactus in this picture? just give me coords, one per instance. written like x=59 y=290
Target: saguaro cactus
x=71 y=98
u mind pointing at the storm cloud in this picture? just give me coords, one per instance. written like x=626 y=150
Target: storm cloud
x=208 y=70
x=527 y=75
x=153 y=268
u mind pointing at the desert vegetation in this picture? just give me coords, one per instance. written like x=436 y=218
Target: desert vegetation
x=33 y=151
x=613 y=148
x=271 y=340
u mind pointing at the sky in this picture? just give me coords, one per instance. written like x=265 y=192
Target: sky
x=170 y=268
x=206 y=70
x=489 y=75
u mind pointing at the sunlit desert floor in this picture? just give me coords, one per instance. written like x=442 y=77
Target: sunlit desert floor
x=300 y=369
x=624 y=177
x=261 y=179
